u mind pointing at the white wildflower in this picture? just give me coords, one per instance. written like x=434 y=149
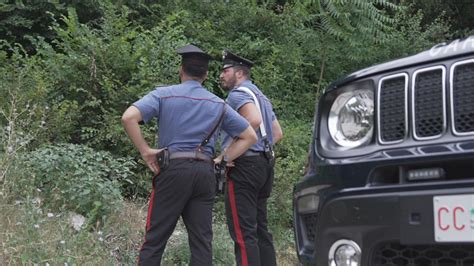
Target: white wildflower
x=47 y=264
x=76 y=221
x=65 y=264
x=50 y=215
x=36 y=226
x=101 y=239
x=62 y=242
x=36 y=201
x=99 y=233
x=39 y=190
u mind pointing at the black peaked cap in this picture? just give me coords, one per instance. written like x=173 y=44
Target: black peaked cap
x=193 y=51
x=230 y=60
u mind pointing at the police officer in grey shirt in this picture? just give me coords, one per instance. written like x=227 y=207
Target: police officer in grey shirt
x=250 y=180
x=184 y=181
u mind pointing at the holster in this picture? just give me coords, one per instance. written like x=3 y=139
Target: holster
x=219 y=171
x=163 y=158
x=269 y=154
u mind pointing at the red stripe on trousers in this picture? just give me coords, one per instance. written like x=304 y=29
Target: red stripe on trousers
x=148 y=216
x=150 y=207
x=238 y=231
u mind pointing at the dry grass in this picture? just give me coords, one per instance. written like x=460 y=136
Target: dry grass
x=30 y=236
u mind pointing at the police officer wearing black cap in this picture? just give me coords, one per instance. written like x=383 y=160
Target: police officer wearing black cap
x=184 y=181
x=250 y=180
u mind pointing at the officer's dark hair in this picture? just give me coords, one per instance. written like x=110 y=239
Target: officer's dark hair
x=245 y=70
x=195 y=71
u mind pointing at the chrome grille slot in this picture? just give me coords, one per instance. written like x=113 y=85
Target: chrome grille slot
x=393 y=108
x=462 y=97
x=428 y=98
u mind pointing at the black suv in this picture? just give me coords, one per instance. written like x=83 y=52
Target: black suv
x=390 y=177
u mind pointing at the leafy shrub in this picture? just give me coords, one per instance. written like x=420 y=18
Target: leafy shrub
x=291 y=155
x=23 y=111
x=79 y=179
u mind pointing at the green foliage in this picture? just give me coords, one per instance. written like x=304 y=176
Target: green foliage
x=23 y=114
x=18 y=21
x=291 y=158
x=350 y=20
x=457 y=13
x=76 y=178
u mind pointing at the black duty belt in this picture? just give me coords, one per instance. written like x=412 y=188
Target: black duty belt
x=252 y=153
x=190 y=155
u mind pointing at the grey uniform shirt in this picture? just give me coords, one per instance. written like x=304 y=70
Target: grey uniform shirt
x=186 y=113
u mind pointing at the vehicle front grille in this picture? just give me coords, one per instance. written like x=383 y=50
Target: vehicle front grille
x=462 y=98
x=426 y=108
x=394 y=254
x=309 y=221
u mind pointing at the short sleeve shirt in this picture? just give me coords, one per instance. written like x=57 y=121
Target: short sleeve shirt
x=186 y=113
x=237 y=98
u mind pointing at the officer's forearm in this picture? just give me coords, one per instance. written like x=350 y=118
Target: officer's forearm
x=277 y=132
x=136 y=136
x=130 y=120
x=241 y=144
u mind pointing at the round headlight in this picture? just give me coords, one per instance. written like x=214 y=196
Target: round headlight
x=351 y=119
x=345 y=253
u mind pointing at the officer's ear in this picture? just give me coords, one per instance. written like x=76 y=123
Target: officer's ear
x=238 y=72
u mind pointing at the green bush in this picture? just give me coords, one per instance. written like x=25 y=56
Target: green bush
x=291 y=155
x=78 y=178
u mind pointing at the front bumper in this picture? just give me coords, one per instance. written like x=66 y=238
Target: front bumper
x=393 y=225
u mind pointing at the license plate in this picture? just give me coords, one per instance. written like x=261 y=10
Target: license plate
x=454 y=218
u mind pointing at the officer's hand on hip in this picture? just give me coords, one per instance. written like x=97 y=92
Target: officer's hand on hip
x=149 y=156
x=218 y=160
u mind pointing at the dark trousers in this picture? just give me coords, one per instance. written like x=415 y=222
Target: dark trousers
x=249 y=185
x=185 y=188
